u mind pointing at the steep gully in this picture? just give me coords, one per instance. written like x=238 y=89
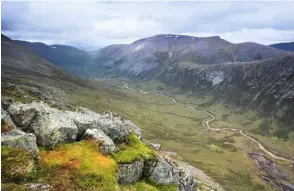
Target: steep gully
x=205 y=123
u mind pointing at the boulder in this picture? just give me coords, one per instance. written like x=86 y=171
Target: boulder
x=127 y=123
x=130 y=173
x=38 y=187
x=165 y=172
x=20 y=140
x=115 y=127
x=22 y=114
x=6 y=122
x=107 y=145
x=84 y=119
x=187 y=182
x=51 y=126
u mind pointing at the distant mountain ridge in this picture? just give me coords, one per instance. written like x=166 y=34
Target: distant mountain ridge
x=149 y=56
x=288 y=46
x=69 y=58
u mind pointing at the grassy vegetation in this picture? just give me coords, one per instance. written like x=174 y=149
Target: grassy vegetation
x=16 y=164
x=134 y=150
x=77 y=166
x=178 y=128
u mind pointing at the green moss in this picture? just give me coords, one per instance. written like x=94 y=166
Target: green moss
x=134 y=150
x=16 y=164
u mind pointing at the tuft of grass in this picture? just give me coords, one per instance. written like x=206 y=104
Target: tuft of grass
x=134 y=150
x=16 y=164
x=77 y=166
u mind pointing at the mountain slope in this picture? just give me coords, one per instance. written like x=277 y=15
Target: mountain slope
x=266 y=86
x=68 y=58
x=288 y=46
x=150 y=56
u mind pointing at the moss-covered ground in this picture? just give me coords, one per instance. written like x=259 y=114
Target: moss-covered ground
x=134 y=150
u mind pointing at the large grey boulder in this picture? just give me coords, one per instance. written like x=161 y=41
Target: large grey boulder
x=20 y=140
x=125 y=122
x=22 y=114
x=84 y=119
x=187 y=182
x=165 y=172
x=5 y=118
x=114 y=126
x=130 y=173
x=107 y=145
x=51 y=126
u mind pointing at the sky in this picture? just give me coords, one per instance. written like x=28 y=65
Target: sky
x=97 y=24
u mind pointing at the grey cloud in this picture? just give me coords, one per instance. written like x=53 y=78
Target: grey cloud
x=103 y=23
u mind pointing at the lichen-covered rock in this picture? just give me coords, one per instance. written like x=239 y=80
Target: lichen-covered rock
x=51 y=126
x=107 y=145
x=115 y=127
x=22 y=114
x=16 y=164
x=130 y=173
x=20 y=140
x=84 y=119
x=38 y=187
x=165 y=172
x=6 y=122
x=127 y=123
x=187 y=182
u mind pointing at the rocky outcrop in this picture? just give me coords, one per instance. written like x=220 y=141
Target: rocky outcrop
x=21 y=140
x=107 y=145
x=165 y=172
x=114 y=126
x=50 y=125
x=130 y=173
x=269 y=172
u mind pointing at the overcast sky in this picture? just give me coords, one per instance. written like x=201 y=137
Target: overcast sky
x=97 y=24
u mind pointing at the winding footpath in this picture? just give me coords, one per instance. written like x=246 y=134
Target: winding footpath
x=205 y=123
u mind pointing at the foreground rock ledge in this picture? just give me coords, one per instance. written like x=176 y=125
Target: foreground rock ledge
x=48 y=126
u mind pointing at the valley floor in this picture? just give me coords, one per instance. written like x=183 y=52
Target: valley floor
x=221 y=155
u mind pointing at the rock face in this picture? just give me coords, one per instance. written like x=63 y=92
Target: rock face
x=50 y=125
x=269 y=173
x=130 y=173
x=107 y=144
x=265 y=86
x=21 y=140
x=165 y=172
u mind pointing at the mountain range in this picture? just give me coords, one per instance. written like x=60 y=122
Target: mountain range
x=248 y=75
